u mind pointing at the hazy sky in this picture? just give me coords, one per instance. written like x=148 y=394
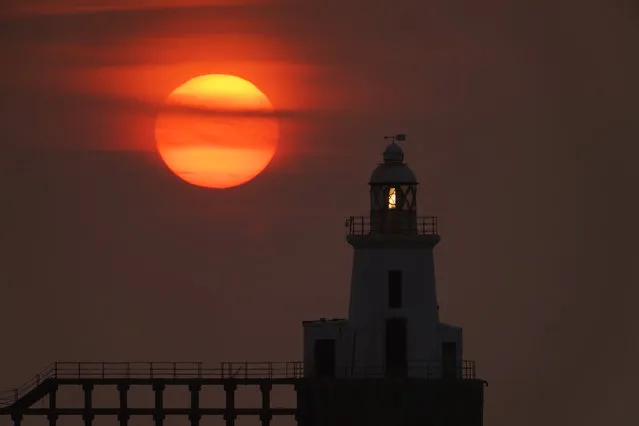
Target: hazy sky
x=522 y=122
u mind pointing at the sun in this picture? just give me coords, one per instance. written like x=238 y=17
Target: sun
x=217 y=131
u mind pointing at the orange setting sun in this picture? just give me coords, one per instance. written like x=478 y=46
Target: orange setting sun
x=217 y=131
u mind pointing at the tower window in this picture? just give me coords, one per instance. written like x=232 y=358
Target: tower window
x=395 y=289
x=392 y=199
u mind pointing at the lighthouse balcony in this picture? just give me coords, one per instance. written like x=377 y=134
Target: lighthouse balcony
x=464 y=369
x=416 y=225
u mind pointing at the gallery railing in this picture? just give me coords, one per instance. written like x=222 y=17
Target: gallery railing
x=418 y=369
x=362 y=225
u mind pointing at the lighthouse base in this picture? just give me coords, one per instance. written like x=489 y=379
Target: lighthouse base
x=389 y=402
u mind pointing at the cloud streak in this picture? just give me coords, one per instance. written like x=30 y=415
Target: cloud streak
x=132 y=105
x=76 y=7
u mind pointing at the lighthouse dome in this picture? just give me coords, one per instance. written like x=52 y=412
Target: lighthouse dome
x=393 y=170
x=393 y=153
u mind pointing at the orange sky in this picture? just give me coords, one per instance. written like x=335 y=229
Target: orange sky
x=162 y=44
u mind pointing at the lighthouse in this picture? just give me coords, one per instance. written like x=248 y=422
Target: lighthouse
x=391 y=361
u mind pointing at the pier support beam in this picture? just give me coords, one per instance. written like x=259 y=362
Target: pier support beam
x=194 y=415
x=88 y=404
x=158 y=415
x=52 y=416
x=17 y=419
x=266 y=415
x=123 y=415
x=301 y=414
x=229 y=411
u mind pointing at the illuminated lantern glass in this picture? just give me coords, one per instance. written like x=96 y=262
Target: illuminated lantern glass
x=392 y=199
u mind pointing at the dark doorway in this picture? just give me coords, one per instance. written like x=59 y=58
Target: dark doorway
x=396 y=353
x=325 y=357
x=449 y=360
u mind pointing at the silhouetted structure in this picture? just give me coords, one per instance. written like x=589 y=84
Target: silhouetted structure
x=391 y=363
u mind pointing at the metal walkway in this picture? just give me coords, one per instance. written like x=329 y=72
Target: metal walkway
x=147 y=373
x=19 y=402
x=43 y=388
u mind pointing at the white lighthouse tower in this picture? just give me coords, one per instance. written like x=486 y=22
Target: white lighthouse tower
x=393 y=326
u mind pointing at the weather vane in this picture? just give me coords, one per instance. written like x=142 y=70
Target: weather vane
x=397 y=138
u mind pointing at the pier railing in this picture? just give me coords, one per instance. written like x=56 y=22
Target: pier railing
x=225 y=370
x=155 y=370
